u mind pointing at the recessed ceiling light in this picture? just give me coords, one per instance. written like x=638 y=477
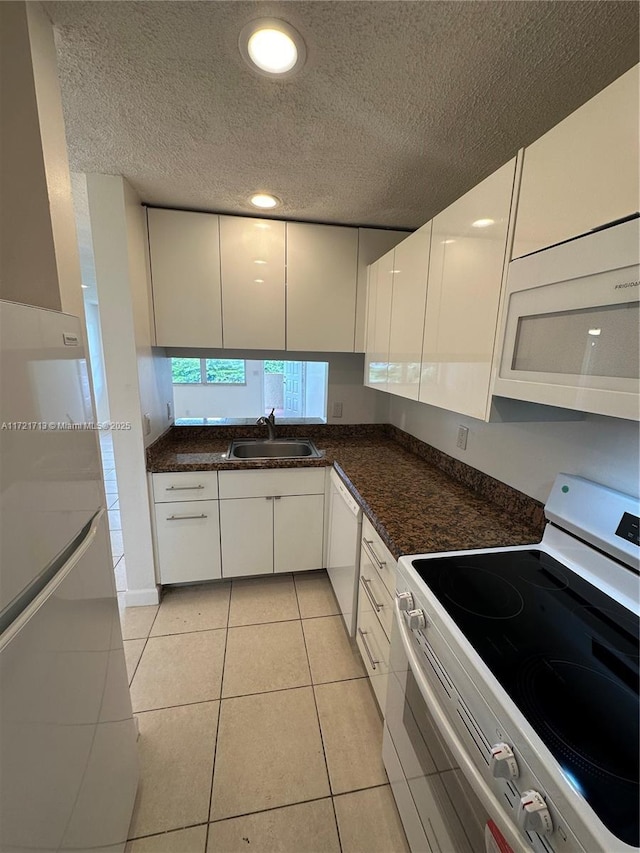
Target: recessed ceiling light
x=259 y=262
x=264 y=200
x=84 y=286
x=272 y=47
x=446 y=242
x=595 y=331
x=259 y=280
x=483 y=223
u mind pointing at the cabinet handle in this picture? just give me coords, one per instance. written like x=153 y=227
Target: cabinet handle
x=182 y=488
x=273 y=498
x=372 y=660
x=366 y=583
x=180 y=517
x=369 y=546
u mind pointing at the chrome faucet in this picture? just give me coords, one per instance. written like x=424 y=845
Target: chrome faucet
x=270 y=423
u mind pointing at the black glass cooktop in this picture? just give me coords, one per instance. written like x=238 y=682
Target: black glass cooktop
x=567 y=655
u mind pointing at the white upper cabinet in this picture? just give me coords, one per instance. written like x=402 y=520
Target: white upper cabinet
x=410 y=270
x=370 y=326
x=322 y=265
x=466 y=267
x=379 y=322
x=185 y=270
x=252 y=257
x=372 y=244
x=584 y=172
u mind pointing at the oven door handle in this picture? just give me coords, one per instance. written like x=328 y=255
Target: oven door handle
x=503 y=819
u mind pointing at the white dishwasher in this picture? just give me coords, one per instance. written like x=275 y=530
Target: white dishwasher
x=343 y=560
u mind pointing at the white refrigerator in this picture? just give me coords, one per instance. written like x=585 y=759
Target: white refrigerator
x=68 y=762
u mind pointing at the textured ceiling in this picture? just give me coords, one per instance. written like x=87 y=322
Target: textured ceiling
x=400 y=108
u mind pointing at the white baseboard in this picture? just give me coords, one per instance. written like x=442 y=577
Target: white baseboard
x=141 y=597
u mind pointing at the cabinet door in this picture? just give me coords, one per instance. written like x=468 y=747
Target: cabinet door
x=246 y=532
x=374 y=648
x=378 y=359
x=297 y=528
x=322 y=268
x=411 y=268
x=465 y=277
x=252 y=269
x=372 y=291
x=183 y=486
x=372 y=244
x=584 y=172
x=188 y=538
x=185 y=273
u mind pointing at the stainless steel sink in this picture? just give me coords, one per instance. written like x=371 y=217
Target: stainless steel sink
x=277 y=448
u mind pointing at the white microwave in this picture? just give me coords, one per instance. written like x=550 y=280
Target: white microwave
x=571 y=325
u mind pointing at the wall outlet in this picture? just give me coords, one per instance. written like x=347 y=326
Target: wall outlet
x=146 y=421
x=169 y=412
x=336 y=412
x=463 y=433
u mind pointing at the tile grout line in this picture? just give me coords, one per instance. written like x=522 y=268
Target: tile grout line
x=249 y=695
x=215 y=745
x=315 y=704
x=258 y=811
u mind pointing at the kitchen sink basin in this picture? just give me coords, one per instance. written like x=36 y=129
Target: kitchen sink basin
x=277 y=448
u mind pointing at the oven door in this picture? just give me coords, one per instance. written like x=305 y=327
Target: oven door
x=442 y=808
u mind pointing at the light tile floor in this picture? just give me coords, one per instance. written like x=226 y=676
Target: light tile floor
x=258 y=729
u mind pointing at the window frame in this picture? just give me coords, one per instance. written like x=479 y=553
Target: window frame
x=203 y=374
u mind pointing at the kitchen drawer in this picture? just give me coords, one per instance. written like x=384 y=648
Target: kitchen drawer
x=196 y=486
x=188 y=537
x=380 y=556
x=374 y=648
x=373 y=589
x=282 y=481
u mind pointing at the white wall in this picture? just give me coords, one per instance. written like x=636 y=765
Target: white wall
x=94 y=336
x=360 y=405
x=528 y=455
x=119 y=272
x=38 y=251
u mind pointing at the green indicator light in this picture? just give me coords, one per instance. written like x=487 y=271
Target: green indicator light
x=565 y=489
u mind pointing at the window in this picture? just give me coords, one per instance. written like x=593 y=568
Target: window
x=198 y=371
x=222 y=389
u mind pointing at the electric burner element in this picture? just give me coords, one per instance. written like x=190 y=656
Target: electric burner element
x=482 y=593
x=543 y=682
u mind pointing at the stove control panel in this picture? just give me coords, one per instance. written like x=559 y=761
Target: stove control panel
x=416 y=619
x=503 y=762
x=629 y=528
x=405 y=601
x=533 y=814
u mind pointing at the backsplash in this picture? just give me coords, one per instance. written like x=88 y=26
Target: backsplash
x=526 y=508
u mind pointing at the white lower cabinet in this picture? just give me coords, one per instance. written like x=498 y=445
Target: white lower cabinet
x=375 y=609
x=298 y=523
x=187 y=526
x=188 y=540
x=263 y=529
x=246 y=526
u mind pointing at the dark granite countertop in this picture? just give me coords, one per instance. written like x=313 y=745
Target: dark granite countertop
x=418 y=499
